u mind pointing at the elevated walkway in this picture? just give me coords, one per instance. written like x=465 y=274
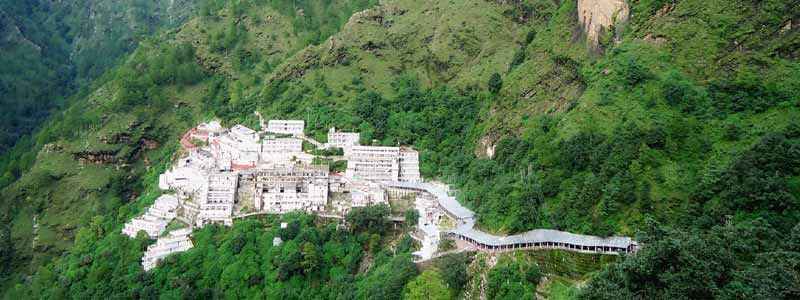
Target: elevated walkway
x=534 y=239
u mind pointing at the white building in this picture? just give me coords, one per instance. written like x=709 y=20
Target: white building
x=294 y=127
x=165 y=207
x=275 y=149
x=292 y=188
x=242 y=133
x=409 y=165
x=377 y=163
x=364 y=193
x=240 y=146
x=175 y=241
x=153 y=226
x=185 y=181
x=155 y=219
x=342 y=140
x=217 y=199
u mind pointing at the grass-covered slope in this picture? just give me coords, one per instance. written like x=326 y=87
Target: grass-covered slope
x=50 y=50
x=685 y=114
x=95 y=156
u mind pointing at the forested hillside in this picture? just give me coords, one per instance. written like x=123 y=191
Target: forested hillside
x=676 y=123
x=50 y=49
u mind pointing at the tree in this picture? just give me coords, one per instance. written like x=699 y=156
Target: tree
x=387 y=280
x=427 y=286
x=508 y=281
x=411 y=217
x=495 y=83
x=519 y=57
x=372 y=218
x=311 y=259
x=454 y=271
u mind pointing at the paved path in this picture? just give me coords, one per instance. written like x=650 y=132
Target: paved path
x=310 y=140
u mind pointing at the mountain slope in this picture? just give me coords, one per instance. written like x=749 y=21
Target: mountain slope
x=678 y=123
x=93 y=156
x=52 y=48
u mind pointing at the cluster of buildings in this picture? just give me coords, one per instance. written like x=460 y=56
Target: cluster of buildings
x=154 y=223
x=176 y=241
x=226 y=172
x=155 y=220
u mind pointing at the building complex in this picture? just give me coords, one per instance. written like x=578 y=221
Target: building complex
x=227 y=173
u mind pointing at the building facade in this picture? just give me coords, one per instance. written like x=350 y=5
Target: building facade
x=378 y=163
x=342 y=140
x=293 y=188
x=409 y=165
x=294 y=127
x=217 y=199
x=175 y=241
x=276 y=149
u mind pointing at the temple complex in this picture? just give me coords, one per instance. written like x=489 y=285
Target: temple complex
x=223 y=174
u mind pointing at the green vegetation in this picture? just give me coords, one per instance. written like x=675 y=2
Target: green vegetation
x=372 y=218
x=52 y=50
x=680 y=126
x=313 y=262
x=427 y=286
x=513 y=281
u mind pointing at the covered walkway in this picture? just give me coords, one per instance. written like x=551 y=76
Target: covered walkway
x=534 y=239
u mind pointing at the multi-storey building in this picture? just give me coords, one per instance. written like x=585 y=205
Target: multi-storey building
x=342 y=140
x=292 y=188
x=164 y=207
x=275 y=149
x=217 y=199
x=294 y=127
x=175 y=241
x=185 y=181
x=155 y=219
x=374 y=163
x=378 y=163
x=409 y=165
x=240 y=146
x=364 y=193
x=153 y=226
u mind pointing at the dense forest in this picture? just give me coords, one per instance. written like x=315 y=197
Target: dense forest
x=678 y=126
x=52 y=51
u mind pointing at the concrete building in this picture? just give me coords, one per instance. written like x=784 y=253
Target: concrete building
x=153 y=226
x=240 y=146
x=155 y=219
x=374 y=163
x=378 y=163
x=242 y=133
x=364 y=193
x=185 y=181
x=217 y=199
x=165 y=207
x=409 y=165
x=292 y=188
x=275 y=149
x=342 y=140
x=294 y=127
x=175 y=241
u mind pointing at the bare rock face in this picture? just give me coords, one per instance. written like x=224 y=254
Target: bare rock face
x=486 y=146
x=595 y=16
